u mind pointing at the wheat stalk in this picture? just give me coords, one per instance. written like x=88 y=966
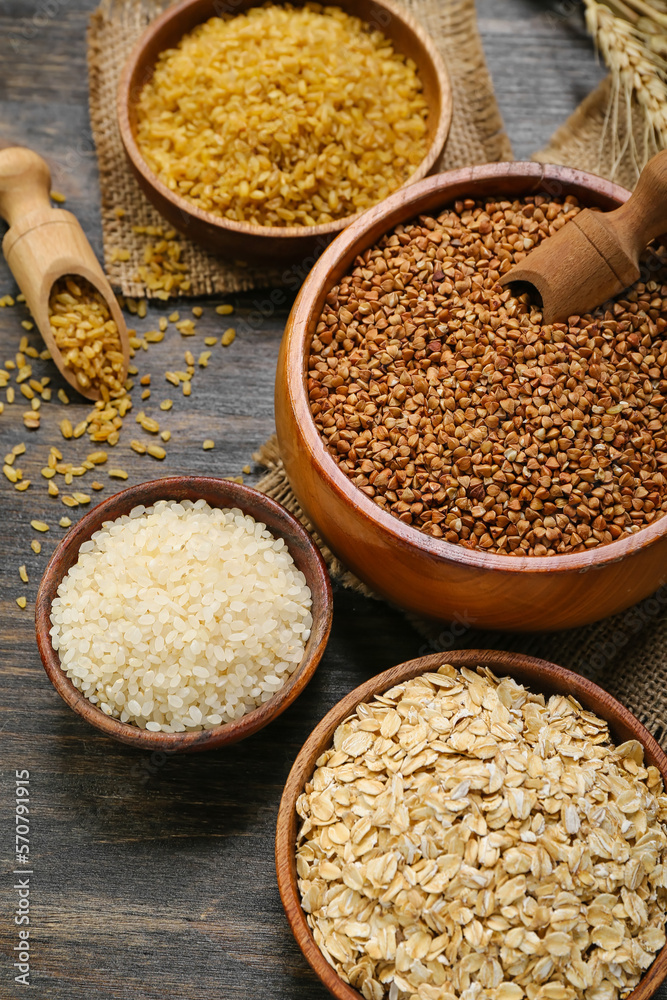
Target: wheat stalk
x=632 y=46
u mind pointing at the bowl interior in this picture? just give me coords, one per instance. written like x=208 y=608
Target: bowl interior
x=539 y=676
x=406 y=34
x=217 y=493
x=431 y=195
x=513 y=180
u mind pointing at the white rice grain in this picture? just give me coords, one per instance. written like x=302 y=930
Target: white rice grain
x=181 y=616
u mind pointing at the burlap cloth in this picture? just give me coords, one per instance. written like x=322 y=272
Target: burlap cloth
x=626 y=654
x=605 y=136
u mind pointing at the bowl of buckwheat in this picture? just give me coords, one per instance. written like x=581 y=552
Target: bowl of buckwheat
x=464 y=459
x=478 y=824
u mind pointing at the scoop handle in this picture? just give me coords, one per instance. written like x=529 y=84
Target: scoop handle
x=25 y=183
x=643 y=217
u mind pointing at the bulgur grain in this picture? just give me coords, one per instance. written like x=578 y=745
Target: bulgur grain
x=244 y=147
x=86 y=336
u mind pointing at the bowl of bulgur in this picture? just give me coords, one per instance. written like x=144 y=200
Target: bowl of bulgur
x=261 y=129
x=475 y=824
x=183 y=614
x=466 y=461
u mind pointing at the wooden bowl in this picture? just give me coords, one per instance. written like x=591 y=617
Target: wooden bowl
x=241 y=240
x=539 y=676
x=218 y=493
x=427 y=575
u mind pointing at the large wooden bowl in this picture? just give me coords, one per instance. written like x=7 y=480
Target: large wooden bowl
x=217 y=493
x=538 y=675
x=241 y=240
x=428 y=575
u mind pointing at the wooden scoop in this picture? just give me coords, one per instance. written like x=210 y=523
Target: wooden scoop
x=43 y=244
x=596 y=254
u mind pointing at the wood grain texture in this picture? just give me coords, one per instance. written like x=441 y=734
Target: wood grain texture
x=537 y=675
x=242 y=240
x=426 y=575
x=218 y=493
x=155 y=878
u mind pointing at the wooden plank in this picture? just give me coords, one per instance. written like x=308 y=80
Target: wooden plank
x=156 y=878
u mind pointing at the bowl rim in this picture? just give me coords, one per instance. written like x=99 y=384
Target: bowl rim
x=226 y=733
x=324 y=230
x=301 y=323
x=526 y=669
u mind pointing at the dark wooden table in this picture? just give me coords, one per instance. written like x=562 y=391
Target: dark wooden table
x=158 y=881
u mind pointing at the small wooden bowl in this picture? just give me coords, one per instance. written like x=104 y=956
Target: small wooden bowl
x=426 y=575
x=539 y=676
x=242 y=240
x=218 y=493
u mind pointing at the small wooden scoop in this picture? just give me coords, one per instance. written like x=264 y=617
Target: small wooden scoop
x=596 y=254
x=43 y=244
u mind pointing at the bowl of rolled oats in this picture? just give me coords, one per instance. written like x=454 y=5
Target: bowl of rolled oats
x=459 y=455
x=478 y=824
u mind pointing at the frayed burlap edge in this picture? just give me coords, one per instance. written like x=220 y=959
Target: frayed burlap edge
x=476 y=135
x=276 y=485
x=605 y=136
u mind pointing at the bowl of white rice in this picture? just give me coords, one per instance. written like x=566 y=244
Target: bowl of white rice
x=184 y=613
